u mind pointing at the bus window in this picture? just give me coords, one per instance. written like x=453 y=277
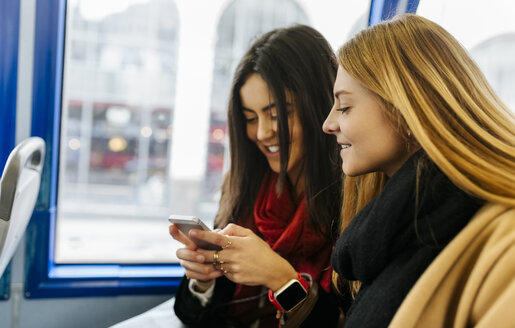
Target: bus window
x=117 y=116
x=487 y=30
x=143 y=126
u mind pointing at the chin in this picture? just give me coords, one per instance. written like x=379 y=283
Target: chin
x=347 y=172
x=352 y=172
x=275 y=167
x=356 y=173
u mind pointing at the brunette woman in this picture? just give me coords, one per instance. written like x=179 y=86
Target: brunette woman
x=281 y=198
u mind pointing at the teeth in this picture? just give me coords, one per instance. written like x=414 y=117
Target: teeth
x=345 y=146
x=273 y=149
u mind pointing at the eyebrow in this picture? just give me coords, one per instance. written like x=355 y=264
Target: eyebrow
x=340 y=92
x=264 y=109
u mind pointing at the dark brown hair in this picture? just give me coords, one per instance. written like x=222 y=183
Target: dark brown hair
x=297 y=60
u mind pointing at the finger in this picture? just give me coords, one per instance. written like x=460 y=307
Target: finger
x=199 y=276
x=190 y=255
x=228 y=268
x=211 y=237
x=200 y=271
x=208 y=255
x=204 y=269
x=224 y=256
x=181 y=237
x=230 y=272
x=178 y=234
x=236 y=230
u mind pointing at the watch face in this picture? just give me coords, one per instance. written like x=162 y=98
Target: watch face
x=291 y=296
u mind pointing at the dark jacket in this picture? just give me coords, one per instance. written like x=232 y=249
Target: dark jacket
x=188 y=308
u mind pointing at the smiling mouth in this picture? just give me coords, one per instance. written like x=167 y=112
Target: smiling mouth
x=272 y=149
x=345 y=146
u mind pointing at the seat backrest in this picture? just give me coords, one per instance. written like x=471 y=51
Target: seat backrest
x=19 y=188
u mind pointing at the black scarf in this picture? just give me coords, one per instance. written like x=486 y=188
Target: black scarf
x=388 y=245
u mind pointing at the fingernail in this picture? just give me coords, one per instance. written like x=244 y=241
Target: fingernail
x=200 y=258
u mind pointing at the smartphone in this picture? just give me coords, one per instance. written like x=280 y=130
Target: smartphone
x=185 y=223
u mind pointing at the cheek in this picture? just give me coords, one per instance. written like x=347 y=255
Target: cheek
x=352 y=129
x=252 y=132
x=385 y=148
x=297 y=145
x=296 y=135
x=397 y=146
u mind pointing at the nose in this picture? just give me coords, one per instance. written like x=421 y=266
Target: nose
x=331 y=125
x=266 y=129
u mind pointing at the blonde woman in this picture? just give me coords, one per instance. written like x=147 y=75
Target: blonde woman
x=429 y=152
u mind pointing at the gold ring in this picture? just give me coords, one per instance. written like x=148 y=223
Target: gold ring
x=215 y=257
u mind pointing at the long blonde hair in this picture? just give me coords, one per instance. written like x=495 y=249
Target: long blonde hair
x=431 y=87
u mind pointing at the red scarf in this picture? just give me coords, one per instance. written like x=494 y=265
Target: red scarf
x=286 y=228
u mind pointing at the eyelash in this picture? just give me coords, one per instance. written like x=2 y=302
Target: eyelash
x=343 y=109
x=250 y=120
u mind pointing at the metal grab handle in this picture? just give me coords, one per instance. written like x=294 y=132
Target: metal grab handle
x=29 y=154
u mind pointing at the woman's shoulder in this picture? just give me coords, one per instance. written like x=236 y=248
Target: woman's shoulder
x=494 y=221
x=472 y=279
x=486 y=244
x=495 y=263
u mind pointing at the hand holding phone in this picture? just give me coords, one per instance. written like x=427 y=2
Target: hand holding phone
x=185 y=223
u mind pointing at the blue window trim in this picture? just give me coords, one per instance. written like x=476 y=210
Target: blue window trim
x=9 y=34
x=384 y=9
x=44 y=278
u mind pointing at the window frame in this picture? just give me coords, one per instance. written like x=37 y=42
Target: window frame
x=384 y=9
x=44 y=278
x=9 y=35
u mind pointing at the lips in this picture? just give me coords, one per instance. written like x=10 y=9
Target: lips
x=345 y=146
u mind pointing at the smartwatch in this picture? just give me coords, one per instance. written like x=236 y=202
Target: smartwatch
x=290 y=295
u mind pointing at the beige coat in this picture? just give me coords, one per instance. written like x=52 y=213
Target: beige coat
x=472 y=282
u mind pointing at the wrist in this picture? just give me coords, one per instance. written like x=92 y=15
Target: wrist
x=202 y=285
x=282 y=277
x=290 y=295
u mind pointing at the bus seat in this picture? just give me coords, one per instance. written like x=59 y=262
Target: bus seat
x=19 y=188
